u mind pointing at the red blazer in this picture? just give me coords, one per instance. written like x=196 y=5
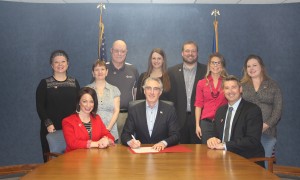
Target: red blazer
x=76 y=135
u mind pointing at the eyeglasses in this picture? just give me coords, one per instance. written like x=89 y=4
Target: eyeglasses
x=116 y=51
x=149 y=88
x=215 y=63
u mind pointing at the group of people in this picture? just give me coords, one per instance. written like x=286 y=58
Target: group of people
x=189 y=103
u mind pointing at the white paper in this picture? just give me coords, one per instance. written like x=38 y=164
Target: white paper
x=145 y=150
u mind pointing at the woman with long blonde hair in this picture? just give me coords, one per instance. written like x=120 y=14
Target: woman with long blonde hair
x=209 y=96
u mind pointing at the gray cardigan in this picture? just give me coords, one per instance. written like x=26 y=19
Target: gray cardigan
x=269 y=99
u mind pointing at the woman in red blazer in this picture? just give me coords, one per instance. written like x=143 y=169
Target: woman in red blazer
x=85 y=129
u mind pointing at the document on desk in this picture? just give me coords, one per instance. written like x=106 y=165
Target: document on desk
x=144 y=150
x=172 y=149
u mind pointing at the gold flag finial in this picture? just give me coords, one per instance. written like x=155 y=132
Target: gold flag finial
x=215 y=13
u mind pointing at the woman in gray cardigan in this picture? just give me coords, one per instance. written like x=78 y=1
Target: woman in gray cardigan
x=260 y=89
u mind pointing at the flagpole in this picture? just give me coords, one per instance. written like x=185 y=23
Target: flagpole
x=100 y=6
x=215 y=13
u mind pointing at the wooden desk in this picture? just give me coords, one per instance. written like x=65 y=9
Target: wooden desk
x=119 y=163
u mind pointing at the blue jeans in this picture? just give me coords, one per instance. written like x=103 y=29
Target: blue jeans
x=268 y=143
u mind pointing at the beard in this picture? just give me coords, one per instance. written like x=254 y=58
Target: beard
x=193 y=61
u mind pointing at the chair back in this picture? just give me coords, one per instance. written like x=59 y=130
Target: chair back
x=270 y=161
x=56 y=141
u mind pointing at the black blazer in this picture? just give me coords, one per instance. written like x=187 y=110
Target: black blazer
x=178 y=92
x=165 y=126
x=246 y=129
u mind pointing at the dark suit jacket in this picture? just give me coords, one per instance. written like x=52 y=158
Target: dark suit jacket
x=246 y=129
x=178 y=92
x=165 y=126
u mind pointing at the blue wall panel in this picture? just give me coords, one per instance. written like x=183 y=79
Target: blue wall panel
x=30 y=32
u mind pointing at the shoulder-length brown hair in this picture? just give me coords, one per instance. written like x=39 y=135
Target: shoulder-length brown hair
x=246 y=78
x=92 y=92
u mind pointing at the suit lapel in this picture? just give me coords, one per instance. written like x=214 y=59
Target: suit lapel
x=223 y=118
x=180 y=75
x=197 y=77
x=81 y=126
x=158 y=119
x=236 y=116
x=143 y=120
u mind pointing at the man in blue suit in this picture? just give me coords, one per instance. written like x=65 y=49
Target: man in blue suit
x=151 y=121
x=244 y=123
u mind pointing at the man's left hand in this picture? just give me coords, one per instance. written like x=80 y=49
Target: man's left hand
x=159 y=146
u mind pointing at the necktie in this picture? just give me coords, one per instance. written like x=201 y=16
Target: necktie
x=227 y=127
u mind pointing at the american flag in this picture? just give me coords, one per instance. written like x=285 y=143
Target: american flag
x=101 y=41
x=103 y=55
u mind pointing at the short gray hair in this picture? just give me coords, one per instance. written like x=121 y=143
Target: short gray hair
x=154 y=79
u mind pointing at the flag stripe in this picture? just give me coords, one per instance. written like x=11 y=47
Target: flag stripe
x=101 y=41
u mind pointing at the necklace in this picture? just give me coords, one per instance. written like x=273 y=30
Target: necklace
x=212 y=93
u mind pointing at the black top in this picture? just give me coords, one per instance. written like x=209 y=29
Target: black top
x=56 y=100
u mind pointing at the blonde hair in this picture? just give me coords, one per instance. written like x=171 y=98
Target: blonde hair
x=223 y=64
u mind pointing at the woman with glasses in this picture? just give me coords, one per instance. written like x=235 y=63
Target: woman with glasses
x=209 y=96
x=157 y=68
x=261 y=90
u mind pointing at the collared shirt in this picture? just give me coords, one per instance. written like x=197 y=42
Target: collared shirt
x=189 y=78
x=151 y=116
x=206 y=101
x=235 y=106
x=125 y=80
x=106 y=105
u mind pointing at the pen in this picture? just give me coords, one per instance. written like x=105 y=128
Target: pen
x=133 y=137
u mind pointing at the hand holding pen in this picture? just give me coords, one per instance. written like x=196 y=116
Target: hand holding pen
x=133 y=143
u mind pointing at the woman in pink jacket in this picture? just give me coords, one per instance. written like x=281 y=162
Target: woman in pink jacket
x=85 y=129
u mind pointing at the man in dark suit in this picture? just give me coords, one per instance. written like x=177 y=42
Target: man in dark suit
x=244 y=123
x=151 y=121
x=184 y=78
